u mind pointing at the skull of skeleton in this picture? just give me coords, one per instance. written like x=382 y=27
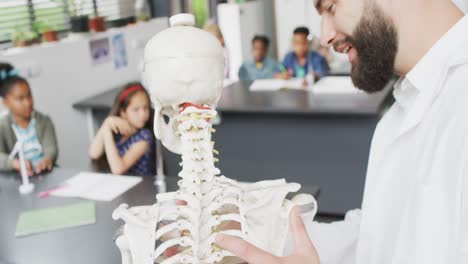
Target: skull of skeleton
x=182 y=64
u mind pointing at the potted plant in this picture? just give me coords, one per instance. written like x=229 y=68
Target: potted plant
x=79 y=23
x=47 y=32
x=142 y=11
x=23 y=38
x=96 y=24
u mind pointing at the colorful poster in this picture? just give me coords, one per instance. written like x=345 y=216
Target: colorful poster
x=119 y=51
x=100 y=51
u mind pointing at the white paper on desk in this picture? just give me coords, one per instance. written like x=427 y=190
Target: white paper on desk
x=295 y=84
x=96 y=186
x=335 y=85
x=267 y=85
x=277 y=84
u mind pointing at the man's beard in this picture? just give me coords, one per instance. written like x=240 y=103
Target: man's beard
x=376 y=42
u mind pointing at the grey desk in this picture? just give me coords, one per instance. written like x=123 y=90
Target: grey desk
x=304 y=137
x=90 y=244
x=237 y=98
x=87 y=244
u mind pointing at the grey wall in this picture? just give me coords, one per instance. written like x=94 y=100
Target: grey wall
x=160 y=8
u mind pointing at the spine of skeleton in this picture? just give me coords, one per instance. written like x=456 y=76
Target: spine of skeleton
x=198 y=172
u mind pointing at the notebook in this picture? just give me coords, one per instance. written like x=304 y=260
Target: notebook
x=336 y=85
x=96 y=186
x=55 y=218
x=277 y=84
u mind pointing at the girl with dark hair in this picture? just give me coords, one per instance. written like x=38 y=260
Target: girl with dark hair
x=35 y=129
x=125 y=143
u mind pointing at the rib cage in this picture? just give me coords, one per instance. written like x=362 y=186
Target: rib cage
x=210 y=201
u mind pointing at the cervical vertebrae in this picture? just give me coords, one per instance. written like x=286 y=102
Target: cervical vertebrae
x=207 y=203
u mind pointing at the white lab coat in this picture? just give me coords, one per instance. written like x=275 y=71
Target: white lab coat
x=415 y=205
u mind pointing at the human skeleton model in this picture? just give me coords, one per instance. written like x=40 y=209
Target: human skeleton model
x=184 y=71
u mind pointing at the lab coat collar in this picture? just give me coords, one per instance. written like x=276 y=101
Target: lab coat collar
x=416 y=92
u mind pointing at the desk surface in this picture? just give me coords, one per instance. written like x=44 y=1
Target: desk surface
x=237 y=98
x=86 y=244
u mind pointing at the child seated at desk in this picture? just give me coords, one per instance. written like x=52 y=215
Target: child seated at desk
x=36 y=129
x=125 y=143
x=260 y=66
x=301 y=60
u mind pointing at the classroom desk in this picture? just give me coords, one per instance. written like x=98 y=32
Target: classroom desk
x=90 y=244
x=87 y=244
x=321 y=139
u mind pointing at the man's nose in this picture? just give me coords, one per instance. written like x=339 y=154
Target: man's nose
x=328 y=33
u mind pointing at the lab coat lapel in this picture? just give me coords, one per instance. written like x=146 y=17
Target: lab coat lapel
x=431 y=70
x=422 y=104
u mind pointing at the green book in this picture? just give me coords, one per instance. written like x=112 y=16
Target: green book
x=55 y=218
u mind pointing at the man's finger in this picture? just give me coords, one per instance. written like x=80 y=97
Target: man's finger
x=244 y=250
x=302 y=243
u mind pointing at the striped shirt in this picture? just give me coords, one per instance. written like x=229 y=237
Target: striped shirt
x=31 y=145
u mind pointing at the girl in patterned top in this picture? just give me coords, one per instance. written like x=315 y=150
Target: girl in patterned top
x=125 y=143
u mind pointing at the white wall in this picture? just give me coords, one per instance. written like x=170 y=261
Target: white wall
x=66 y=75
x=462 y=4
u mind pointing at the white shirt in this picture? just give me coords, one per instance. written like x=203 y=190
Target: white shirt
x=415 y=205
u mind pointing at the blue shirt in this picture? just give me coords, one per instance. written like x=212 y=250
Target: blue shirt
x=250 y=70
x=318 y=63
x=31 y=146
x=146 y=165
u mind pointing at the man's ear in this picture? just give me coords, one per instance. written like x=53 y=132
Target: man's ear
x=317 y=4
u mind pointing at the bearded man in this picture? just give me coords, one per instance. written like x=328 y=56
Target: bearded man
x=415 y=205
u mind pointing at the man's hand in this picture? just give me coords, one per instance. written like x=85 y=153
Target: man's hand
x=17 y=166
x=45 y=164
x=304 y=250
